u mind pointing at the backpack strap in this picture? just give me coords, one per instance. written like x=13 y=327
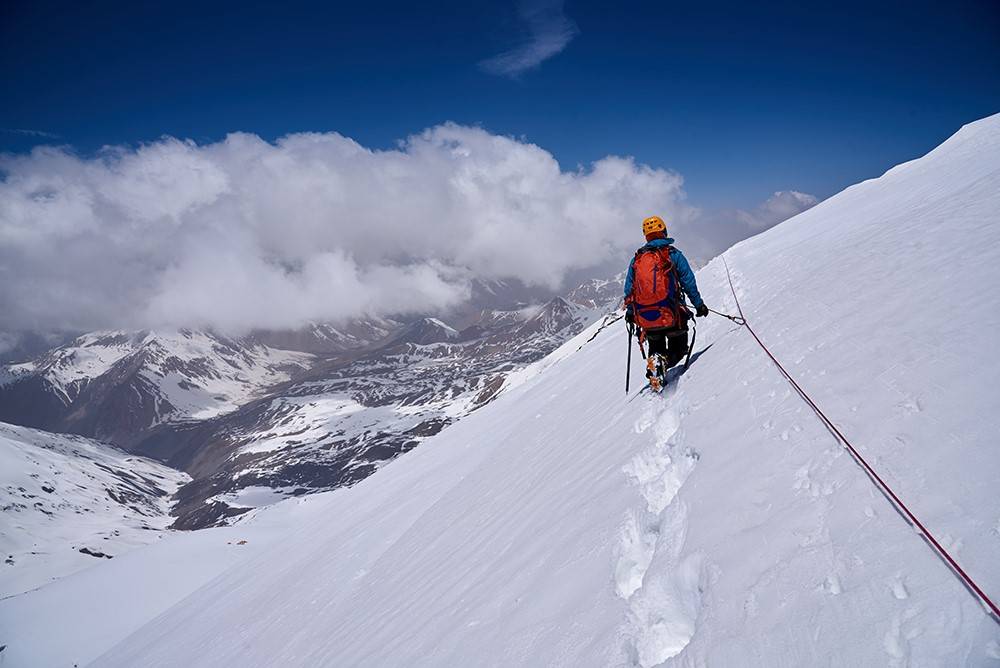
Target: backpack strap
x=682 y=294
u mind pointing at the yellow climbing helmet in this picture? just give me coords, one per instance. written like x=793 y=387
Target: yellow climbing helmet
x=652 y=225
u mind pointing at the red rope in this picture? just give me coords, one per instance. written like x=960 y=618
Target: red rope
x=901 y=507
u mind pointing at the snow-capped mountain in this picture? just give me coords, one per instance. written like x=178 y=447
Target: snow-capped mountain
x=347 y=416
x=67 y=501
x=118 y=385
x=424 y=331
x=720 y=524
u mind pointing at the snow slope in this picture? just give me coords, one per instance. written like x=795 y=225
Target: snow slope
x=67 y=503
x=562 y=525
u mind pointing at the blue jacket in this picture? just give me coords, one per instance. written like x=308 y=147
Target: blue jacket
x=684 y=273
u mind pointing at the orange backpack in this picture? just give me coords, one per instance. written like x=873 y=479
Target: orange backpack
x=655 y=295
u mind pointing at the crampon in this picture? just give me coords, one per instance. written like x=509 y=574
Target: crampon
x=656 y=371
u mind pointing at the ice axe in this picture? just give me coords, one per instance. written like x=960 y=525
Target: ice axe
x=628 y=364
x=630 y=329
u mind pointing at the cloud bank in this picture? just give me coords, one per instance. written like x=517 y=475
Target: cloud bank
x=243 y=233
x=549 y=32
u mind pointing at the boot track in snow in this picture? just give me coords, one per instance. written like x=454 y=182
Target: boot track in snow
x=663 y=602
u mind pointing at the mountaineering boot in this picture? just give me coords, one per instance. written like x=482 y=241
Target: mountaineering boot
x=652 y=372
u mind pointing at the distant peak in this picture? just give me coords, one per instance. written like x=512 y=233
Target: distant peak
x=427 y=330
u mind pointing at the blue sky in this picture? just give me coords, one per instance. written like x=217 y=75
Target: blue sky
x=741 y=100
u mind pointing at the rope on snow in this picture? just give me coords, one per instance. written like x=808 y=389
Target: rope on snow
x=991 y=608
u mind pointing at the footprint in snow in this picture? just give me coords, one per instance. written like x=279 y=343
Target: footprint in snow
x=832 y=585
x=663 y=614
x=896 y=641
x=951 y=543
x=893 y=642
x=636 y=544
x=750 y=606
x=898 y=588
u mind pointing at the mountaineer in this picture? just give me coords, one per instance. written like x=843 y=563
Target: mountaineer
x=656 y=283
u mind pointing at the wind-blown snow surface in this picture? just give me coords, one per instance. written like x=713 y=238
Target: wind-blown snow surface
x=717 y=525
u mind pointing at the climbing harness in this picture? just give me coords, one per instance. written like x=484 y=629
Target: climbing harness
x=883 y=487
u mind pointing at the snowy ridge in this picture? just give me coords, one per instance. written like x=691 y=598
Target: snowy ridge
x=88 y=357
x=11 y=373
x=119 y=385
x=719 y=524
x=67 y=502
x=196 y=374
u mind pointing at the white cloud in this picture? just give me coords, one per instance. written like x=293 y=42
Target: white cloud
x=549 y=32
x=779 y=207
x=244 y=233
